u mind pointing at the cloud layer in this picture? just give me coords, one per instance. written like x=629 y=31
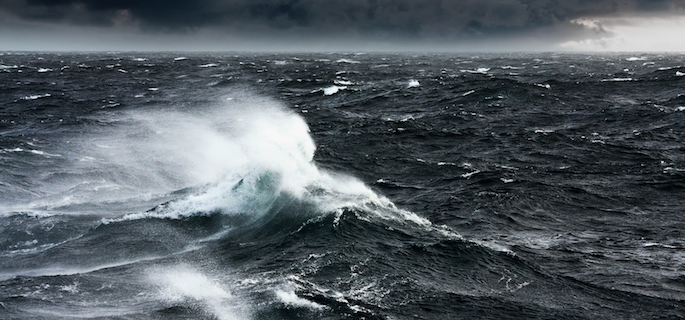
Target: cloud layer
x=392 y=20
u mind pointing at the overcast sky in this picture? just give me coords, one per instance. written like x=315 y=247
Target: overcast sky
x=343 y=25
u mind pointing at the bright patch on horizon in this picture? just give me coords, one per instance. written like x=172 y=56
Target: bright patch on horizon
x=632 y=34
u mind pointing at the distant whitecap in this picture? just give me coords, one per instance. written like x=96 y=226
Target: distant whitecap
x=333 y=90
x=479 y=70
x=346 y=61
x=617 y=79
x=36 y=96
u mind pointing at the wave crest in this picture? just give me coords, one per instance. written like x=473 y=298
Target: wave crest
x=262 y=154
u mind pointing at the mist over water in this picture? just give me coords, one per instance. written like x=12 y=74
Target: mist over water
x=338 y=186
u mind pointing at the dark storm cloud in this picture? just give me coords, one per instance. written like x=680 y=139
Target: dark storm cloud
x=379 y=18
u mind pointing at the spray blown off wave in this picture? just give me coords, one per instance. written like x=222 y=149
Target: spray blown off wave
x=244 y=155
x=146 y=194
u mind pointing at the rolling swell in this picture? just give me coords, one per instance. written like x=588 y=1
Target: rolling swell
x=489 y=187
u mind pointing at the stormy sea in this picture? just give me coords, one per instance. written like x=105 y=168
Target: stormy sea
x=342 y=186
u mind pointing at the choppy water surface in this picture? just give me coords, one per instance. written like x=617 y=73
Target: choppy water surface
x=341 y=186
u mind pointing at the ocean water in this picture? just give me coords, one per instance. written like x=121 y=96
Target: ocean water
x=342 y=186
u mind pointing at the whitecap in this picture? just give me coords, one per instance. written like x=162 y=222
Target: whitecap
x=413 y=83
x=347 y=61
x=290 y=298
x=179 y=284
x=180 y=59
x=468 y=175
x=42 y=70
x=208 y=65
x=636 y=59
x=546 y=86
x=467 y=93
x=246 y=164
x=36 y=96
x=343 y=82
x=679 y=74
x=43 y=153
x=479 y=70
x=329 y=91
x=617 y=80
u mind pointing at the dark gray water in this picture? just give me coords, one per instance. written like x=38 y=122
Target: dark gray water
x=335 y=186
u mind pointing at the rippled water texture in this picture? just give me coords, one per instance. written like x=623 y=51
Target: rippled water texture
x=341 y=186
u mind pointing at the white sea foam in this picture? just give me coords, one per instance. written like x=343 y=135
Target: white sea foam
x=467 y=93
x=42 y=70
x=248 y=154
x=290 y=298
x=180 y=58
x=617 y=79
x=329 y=91
x=413 y=83
x=636 y=59
x=208 y=65
x=679 y=74
x=43 y=153
x=51 y=271
x=468 y=175
x=182 y=284
x=343 y=82
x=479 y=70
x=346 y=61
x=36 y=96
